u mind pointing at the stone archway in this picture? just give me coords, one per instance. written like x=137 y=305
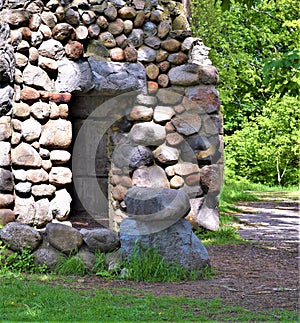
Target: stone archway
x=55 y=51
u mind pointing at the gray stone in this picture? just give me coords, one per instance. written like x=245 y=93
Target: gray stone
x=6 y=180
x=147 y=134
x=52 y=49
x=211 y=179
x=184 y=75
x=153 y=42
x=46 y=255
x=20 y=236
x=208 y=217
x=199 y=54
x=107 y=39
x=38 y=78
x=60 y=206
x=132 y=156
x=42 y=214
x=6 y=98
x=187 y=123
x=153 y=176
x=96 y=50
x=25 y=155
x=74 y=76
x=56 y=134
x=31 y=129
x=24 y=210
x=146 y=54
x=87 y=257
x=101 y=239
x=156 y=204
x=37 y=38
x=15 y=17
x=148 y=100
x=63 y=237
x=7 y=63
x=111 y=78
x=176 y=243
x=136 y=37
x=150 y=29
x=168 y=97
x=4 y=153
x=23 y=187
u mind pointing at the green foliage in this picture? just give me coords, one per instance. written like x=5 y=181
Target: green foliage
x=149 y=265
x=19 y=262
x=256 y=50
x=101 y=266
x=72 y=265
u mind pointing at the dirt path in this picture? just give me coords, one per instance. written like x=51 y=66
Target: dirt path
x=263 y=275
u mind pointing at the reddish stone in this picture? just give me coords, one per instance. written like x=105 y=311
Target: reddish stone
x=164 y=66
x=161 y=56
x=131 y=54
x=209 y=75
x=102 y=22
x=127 y=13
x=171 y=45
x=169 y=127
x=26 y=33
x=60 y=97
x=193 y=179
x=174 y=139
x=207 y=97
x=29 y=94
x=126 y=181
x=6 y=216
x=117 y=54
x=152 y=71
x=63 y=111
x=115 y=180
x=163 y=80
x=118 y=192
x=152 y=87
x=139 y=19
x=179 y=108
x=6 y=200
x=116 y=27
x=178 y=58
x=74 y=49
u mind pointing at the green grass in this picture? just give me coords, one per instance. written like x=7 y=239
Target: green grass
x=24 y=299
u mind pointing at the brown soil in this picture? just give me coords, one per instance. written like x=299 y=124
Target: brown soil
x=261 y=275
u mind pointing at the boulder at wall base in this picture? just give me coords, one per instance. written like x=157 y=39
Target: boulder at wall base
x=63 y=237
x=20 y=236
x=46 y=255
x=100 y=239
x=176 y=243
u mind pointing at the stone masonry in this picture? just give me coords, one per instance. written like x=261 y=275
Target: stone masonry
x=171 y=137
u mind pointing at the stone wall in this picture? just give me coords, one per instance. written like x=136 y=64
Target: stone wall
x=51 y=51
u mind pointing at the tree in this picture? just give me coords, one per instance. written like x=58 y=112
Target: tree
x=254 y=46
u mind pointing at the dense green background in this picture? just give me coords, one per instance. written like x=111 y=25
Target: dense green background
x=255 y=46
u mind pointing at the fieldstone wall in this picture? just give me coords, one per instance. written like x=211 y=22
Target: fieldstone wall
x=53 y=50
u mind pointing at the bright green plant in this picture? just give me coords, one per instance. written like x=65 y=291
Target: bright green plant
x=72 y=265
x=19 y=262
x=149 y=265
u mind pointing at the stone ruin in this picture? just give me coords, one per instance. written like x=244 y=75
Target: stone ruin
x=102 y=102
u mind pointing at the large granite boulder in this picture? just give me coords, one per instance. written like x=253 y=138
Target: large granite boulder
x=20 y=236
x=176 y=243
x=100 y=239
